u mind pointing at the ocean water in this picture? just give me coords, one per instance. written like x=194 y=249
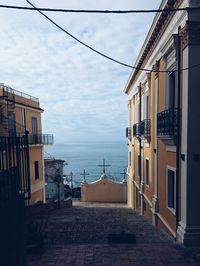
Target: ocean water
x=87 y=156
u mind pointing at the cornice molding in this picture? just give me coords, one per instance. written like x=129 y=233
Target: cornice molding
x=156 y=31
x=190 y=34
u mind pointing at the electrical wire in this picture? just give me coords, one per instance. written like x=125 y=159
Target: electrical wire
x=166 y=10
x=100 y=53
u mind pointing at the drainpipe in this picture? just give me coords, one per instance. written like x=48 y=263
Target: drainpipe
x=140 y=153
x=178 y=140
x=25 y=120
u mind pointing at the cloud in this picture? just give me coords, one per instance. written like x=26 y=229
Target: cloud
x=81 y=92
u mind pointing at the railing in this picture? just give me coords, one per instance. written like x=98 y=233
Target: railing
x=134 y=130
x=46 y=139
x=7 y=89
x=142 y=130
x=145 y=128
x=14 y=190
x=128 y=133
x=14 y=167
x=138 y=134
x=167 y=123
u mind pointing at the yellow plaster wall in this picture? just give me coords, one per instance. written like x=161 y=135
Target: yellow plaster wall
x=162 y=88
x=36 y=197
x=104 y=190
x=148 y=190
x=35 y=151
x=147 y=211
x=19 y=112
x=164 y=158
x=130 y=192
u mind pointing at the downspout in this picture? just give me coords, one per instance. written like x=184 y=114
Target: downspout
x=25 y=120
x=178 y=141
x=140 y=153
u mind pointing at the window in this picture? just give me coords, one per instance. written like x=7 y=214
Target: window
x=34 y=130
x=24 y=118
x=147 y=172
x=171 y=88
x=36 y=169
x=171 y=99
x=171 y=189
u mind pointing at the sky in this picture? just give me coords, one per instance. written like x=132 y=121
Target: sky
x=80 y=91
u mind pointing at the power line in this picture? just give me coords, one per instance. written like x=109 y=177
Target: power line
x=100 y=53
x=167 y=10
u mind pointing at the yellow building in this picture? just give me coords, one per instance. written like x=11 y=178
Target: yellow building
x=164 y=125
x=19 y=113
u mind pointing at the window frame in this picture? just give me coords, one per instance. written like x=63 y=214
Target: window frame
x=172 y=209
x=147 y=183
x=171 y=71
x=36 y=170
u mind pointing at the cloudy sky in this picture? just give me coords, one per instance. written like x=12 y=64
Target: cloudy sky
x=81 y=92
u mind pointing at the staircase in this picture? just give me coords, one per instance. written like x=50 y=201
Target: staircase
x=7 y=108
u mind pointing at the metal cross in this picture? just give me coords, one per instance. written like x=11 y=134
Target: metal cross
x=84 y=175
x=104 y=165
x=124 y=173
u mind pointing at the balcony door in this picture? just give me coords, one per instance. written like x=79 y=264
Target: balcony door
x=172 y=91
x=34 y=130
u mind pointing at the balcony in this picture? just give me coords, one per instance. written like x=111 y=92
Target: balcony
x=142 y=130
x=45 y=139
x=134 y=130
x=128 y=133
x=137 y=132
x=167 y=124
x=145 y=129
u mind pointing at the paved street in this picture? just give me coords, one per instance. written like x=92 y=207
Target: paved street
x=79 y=236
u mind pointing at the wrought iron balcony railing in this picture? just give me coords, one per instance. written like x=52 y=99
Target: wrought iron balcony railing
x=145 y=128
x=134 y=130
x=138 y=134
x=142 y=130
x=128 y=133
x=167 y=123
x=46 y=139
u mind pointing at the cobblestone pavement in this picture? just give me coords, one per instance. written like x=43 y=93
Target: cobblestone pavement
x=78 y=236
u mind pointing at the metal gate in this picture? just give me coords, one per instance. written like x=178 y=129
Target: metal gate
x=14 y=191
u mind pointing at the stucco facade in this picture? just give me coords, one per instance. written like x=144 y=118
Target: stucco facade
x=20 y=112
x=163 y=143
x=104 y=190
x=54 y=179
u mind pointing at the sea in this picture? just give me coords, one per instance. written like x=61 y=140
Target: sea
x=87 y=156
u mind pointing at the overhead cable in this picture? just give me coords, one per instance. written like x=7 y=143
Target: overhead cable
x=167 y=10
x=100 y=53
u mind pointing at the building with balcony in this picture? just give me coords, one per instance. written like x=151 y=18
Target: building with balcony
x=20 y=114
x=163 y=105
